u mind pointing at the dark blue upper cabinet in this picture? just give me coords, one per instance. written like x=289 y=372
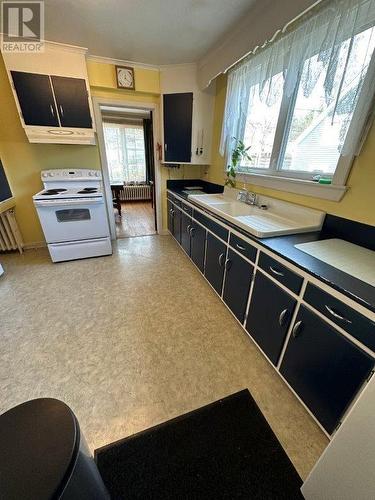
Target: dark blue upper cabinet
x=35 y=97
x=72 y=101
x=178 y=115
x=324 y=368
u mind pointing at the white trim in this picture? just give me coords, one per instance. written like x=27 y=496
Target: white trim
x=299 y=186
x=97 y=102
x=122 y=62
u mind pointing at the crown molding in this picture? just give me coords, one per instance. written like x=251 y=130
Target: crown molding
x=122 y=62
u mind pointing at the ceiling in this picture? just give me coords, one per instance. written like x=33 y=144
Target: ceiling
x=148 y=31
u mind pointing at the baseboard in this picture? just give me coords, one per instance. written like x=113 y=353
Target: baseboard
x=33 y=245
x=163 y=232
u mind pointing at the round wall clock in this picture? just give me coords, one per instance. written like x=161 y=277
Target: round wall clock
x=125 y=77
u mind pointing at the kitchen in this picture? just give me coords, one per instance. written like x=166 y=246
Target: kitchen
x=240 y=244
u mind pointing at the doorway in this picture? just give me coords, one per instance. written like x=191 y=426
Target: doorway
x=126 y=134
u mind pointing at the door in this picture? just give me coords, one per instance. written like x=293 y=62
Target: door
x=324 y=368
x=72 y=101
x=198 y=244
x=215 y=258
x=177 y=224
x=238 y=273
x=185 y=232
x=269 y=317
x=35 y=97
x=74 y=219
x=178 y=115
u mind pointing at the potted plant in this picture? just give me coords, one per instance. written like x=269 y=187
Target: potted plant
x=239 y=153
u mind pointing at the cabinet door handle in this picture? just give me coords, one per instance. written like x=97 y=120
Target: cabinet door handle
x=337 y=316
x=275 y=271
x=240 y=247
x=284 y=315
x=165 y=147
x=297 y=328
x=221 y=257
x=228 y=264
x=188 y=228
x=192 y=229
x=61 y=110
x=52 y=110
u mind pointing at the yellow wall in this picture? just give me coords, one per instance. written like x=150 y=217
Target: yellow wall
x=357 y=204
x=23 y=161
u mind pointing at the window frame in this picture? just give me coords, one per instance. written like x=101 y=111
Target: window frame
x=293 y=180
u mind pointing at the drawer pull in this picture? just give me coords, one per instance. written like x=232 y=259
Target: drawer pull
x=284 y=315
x=221 y=257
x=337 y=316
x=240 y=247
x=275 y=271
x=297 y=328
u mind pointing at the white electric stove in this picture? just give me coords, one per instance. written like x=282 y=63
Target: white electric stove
x=71 y=210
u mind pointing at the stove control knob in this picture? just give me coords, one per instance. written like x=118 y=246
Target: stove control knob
x=51 y=174
x=44 y=174
x=97 y=174
x=91 y=174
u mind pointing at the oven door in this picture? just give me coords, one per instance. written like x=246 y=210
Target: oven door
x=73 y=219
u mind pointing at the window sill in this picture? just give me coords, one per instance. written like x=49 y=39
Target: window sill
x=330 y=192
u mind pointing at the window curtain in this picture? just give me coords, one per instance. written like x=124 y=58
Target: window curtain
x=326 y=39
x=125 y=148
x=149 y=149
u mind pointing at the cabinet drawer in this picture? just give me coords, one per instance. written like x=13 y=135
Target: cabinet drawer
x=211 y=225
x=243 y=247
x=356 y=324
x=187 y=209
x=281 y=273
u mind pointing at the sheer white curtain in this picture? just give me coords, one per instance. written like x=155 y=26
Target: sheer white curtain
x=125 y=149
x=329 y=43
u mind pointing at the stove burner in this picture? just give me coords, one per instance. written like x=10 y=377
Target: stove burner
x=88 y=190
x=50 y=192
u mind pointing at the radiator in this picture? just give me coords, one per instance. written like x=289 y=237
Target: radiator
x=133 y=193
x=10 y=236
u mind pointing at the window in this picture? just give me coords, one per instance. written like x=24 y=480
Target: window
x=301 y=102
x=125 y=150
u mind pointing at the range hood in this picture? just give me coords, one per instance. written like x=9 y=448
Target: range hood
x=61 y=135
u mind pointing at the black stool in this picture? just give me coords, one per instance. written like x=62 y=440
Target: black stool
x=45 y=456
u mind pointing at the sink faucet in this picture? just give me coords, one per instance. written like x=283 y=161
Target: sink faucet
x=247 y=197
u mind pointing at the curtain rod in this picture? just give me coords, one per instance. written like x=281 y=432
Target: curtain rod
x=276 y=34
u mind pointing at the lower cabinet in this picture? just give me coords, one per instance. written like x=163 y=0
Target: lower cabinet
x=238 y=274
x=323 y=367
x=269 y=316
x=197 y=245
x=176 y=230
x=170 y=209
x=215 y=259
x=185 y=232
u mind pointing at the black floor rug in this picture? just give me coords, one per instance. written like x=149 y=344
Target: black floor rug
x=223 y=450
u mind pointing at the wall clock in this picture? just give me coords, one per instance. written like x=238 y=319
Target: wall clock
x=125 y=77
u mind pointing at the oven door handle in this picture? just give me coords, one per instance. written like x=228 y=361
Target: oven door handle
x=69 y=202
